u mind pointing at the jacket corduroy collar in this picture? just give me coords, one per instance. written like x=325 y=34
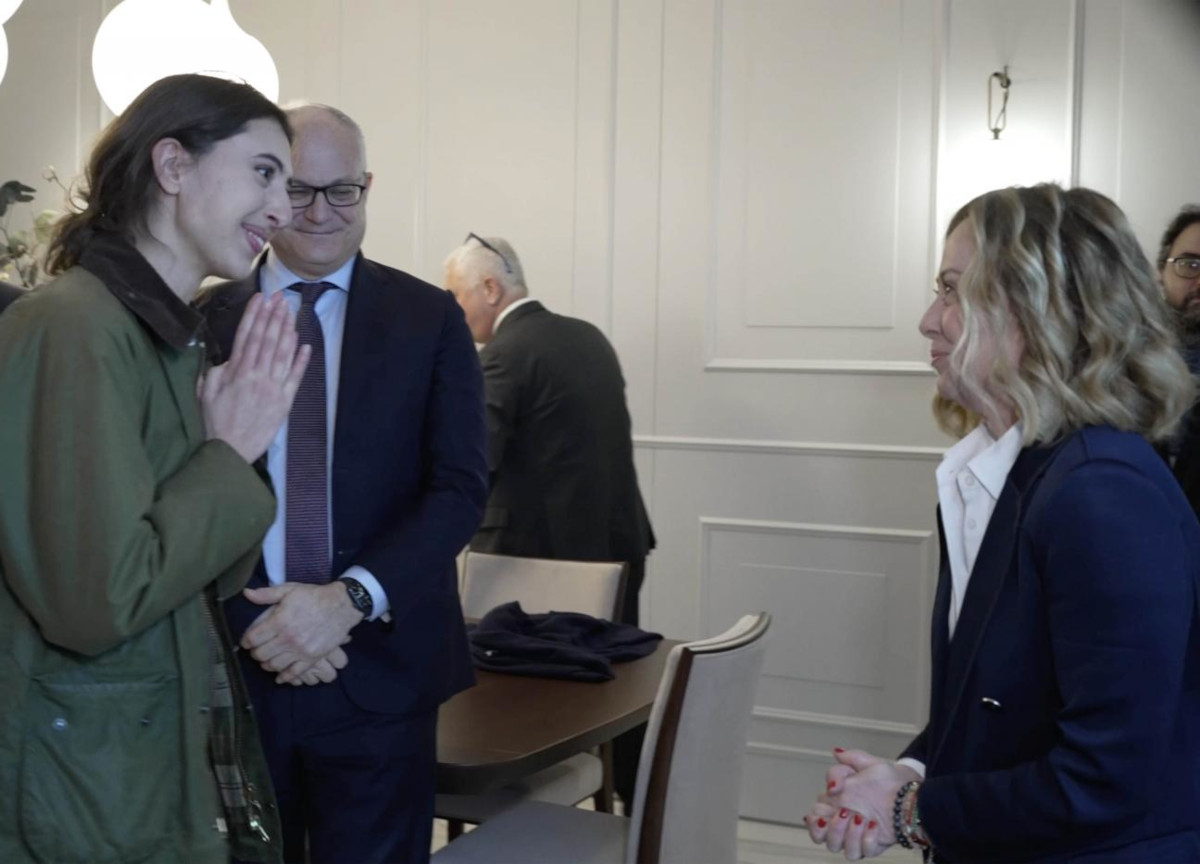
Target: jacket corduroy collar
x=131 y=279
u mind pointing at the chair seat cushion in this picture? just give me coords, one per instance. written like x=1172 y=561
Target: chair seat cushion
x=567 y=782
x=534 y=832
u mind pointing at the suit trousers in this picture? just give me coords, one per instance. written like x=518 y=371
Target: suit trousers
x=352 y=786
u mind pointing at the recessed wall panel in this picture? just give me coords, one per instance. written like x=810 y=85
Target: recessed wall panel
x=820 y=180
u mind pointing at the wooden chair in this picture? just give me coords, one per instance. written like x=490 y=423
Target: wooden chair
x=689 y=778
x=539 y=585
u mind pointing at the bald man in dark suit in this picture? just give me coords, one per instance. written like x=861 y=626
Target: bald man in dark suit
x=560 y=451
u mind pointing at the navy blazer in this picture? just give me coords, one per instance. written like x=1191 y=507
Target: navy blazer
x=408 y=483
x=1065 y=713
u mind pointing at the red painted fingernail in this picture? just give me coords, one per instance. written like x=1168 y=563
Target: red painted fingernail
x=821 y=823
x=871 y=824
x=830 y=784
x=839 y=749
x=843 y=813
x=857 y=819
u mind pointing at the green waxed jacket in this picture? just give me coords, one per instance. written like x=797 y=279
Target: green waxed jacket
x=116 y=517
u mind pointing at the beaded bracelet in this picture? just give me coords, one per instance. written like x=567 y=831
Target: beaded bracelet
x=912 y=821
x=898 y=823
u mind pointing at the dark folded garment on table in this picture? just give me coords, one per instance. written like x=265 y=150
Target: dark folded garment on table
x=555 y=644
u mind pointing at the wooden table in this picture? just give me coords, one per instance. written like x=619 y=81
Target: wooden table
x=508 y=726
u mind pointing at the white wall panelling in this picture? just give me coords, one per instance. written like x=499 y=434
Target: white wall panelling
x=1137 y=141
x=848 y=601
x=50 y=105
x=1036 y=39
x=849 y=604
x=747 y=196
x=808 y=144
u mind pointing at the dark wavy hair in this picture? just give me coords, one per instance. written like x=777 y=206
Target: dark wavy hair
x=196 y=110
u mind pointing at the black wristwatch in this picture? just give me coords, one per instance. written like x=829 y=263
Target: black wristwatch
x=359 y=595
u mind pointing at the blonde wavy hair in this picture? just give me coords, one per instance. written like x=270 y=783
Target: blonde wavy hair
x=1100 y=348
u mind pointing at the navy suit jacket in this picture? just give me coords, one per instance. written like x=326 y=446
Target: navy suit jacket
x=1081 y=625
x=408 y=482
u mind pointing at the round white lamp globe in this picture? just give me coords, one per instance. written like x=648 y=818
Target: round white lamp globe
x=7 y=8
x=141 y=41
x=235 y=54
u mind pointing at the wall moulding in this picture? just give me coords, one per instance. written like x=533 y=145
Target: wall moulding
x=709 y=524
x=781 y=751
x=789 y=448
x=918 y=368
x=833 y=721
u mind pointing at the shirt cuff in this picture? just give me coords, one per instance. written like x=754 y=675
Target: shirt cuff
x=915 y=764
x=378 y=596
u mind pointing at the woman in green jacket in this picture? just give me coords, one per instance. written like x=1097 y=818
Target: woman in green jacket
x=128 y=502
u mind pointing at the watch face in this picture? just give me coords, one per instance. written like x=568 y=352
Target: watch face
x=359 y=596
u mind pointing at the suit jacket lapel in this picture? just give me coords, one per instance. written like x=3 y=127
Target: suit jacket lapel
x=222 y=313
x=987 y=578
x=941 y=634
x=364 y=338
x=992 y=567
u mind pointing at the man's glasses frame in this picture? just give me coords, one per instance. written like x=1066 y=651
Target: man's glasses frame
x=336 y=195
x=1185 y=266
x=486 y=245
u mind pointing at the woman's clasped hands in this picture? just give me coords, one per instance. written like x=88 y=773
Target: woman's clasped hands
x=854 y=813
x=245 y=400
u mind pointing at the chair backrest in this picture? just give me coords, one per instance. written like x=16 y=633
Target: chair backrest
x=540 y=585
x=689 y=782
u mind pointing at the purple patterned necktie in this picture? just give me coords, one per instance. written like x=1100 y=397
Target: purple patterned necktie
x=306 y=521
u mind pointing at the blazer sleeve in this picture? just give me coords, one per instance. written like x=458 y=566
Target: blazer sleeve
x=918 y=747
x=92 y=544
x=454 y=475
x=502 y=393
x=1117 y=579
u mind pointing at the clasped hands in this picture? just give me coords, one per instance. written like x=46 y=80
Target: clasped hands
x=301 y=633
x=854 y=813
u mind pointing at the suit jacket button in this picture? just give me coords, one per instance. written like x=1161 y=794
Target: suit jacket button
x=991 y=704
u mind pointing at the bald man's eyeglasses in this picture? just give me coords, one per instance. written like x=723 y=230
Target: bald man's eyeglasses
x=338 y=195
x=490 y=248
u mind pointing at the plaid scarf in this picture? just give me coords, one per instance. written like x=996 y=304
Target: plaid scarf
x=243 y=823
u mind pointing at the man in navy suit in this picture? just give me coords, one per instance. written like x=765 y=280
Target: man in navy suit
x=381 y=476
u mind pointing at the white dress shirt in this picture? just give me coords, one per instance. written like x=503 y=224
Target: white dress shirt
x=331 y=312
x=970 y=478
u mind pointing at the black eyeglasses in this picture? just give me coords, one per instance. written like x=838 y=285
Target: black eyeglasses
x=489 y=247
x=1185 y=268
x=337 y=195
